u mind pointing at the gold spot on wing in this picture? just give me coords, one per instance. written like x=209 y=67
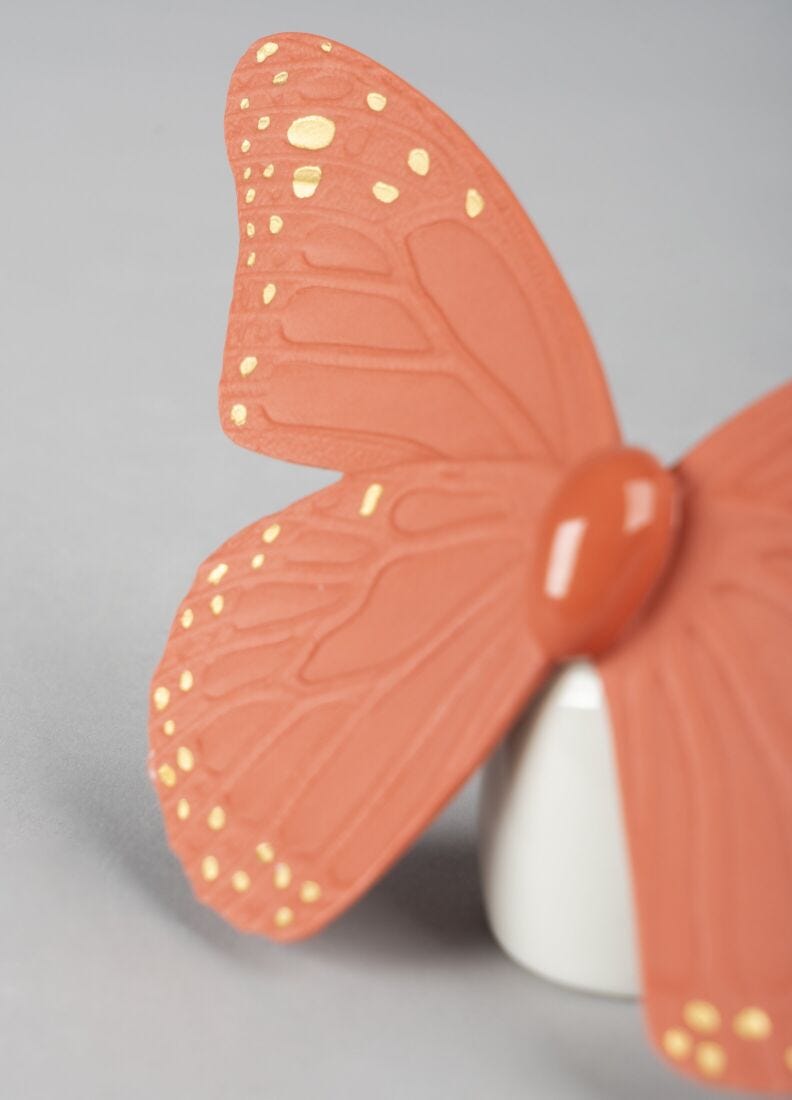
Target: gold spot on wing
x=245 y=146
x=161 y=697
x=701 y=1016
x=268 y=171
x=216 y=818
x=250 y=229
x=210 y=868
x=711 y=1059
x=216 y=604
x=185 y=758
x=306 y=180
x=239 y=415
x=167 y=775
x=326 y=46
x=368 y=504
x=244 y=103
x=282 y=876
x=169 y=728
x=251 y=259
x=474 y=203
x=246 y=174
x=310 y=892
x=182 y=809
x=265 y=852
x=311 y=132
x=265 y=51
x=418 y=160
x=263 y=122
x=752 y=1023
x=257 y=561
x=284 y=916
x=248 y=365
x=240 y=880
x=271 y=532
x=217 y=573
x=280 y=78
x=186 y=680
x=250 y=194
x=275 y=223
x=677 y=1043
x=385 y=192
x=268 y=293
x=187 y=618
x=376 y=101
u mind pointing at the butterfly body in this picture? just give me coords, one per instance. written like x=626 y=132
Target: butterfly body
x=604 y=542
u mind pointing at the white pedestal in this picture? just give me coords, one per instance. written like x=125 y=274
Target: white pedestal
x=553 y=850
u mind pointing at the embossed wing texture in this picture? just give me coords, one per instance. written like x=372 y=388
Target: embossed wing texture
x=702 y=711
x=392 y=302
x=332 y=677
x=323 y=692
x=335 y=673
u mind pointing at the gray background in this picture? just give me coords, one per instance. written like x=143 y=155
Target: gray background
x=650 y=142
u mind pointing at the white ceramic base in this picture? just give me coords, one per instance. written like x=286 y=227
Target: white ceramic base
x=553 y=850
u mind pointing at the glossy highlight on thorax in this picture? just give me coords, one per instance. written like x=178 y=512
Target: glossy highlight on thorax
x=604 y=543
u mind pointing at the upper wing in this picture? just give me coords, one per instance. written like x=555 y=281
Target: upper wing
x=333 y=676
x=701 y=705
x=392 y=302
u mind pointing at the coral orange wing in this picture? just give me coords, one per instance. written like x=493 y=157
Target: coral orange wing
x=702 y=712
x=333 y=676
x=392 y=302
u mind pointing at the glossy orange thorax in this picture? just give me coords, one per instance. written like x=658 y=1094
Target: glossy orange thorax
x=604 y=542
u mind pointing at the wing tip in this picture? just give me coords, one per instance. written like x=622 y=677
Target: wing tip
x=266 y=48
x=742 y=1050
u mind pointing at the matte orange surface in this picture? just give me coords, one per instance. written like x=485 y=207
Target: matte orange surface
x=348 y=685
x=337 y=671
x=701 y=704
x=354 y=669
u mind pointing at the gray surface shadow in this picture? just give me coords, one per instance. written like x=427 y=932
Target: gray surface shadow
x=128 y=833
x=429 y=900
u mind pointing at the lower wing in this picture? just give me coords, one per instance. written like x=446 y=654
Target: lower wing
x=701 y=706
x=334 y=675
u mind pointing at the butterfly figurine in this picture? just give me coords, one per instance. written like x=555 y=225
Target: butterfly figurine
x=338 y=670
